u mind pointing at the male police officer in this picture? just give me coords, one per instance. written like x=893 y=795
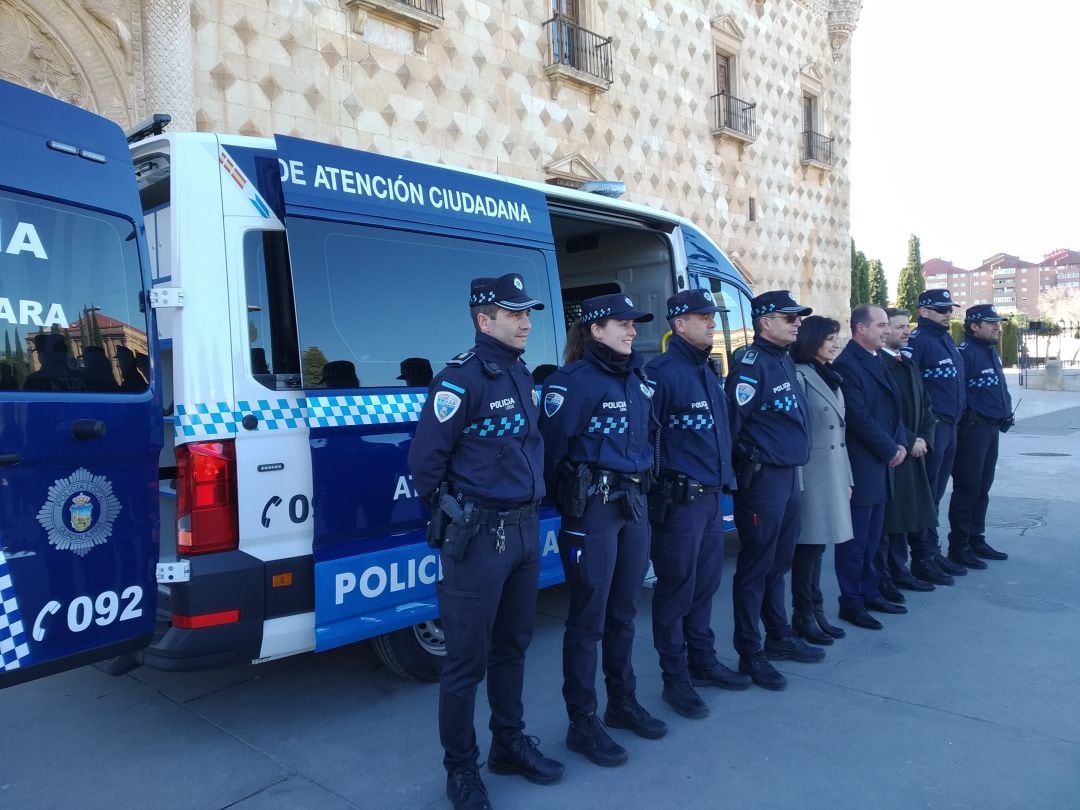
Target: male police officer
x=932 y=348
x=694 y=465
x=989 y=411
x=771 y=441
x=478 y=460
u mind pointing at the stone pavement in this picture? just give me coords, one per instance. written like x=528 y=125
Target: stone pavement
x=969 y=701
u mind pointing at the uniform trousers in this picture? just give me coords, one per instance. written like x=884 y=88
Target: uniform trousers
x=939 y=466
x=767 y=519
x=857 y=570
x=487 y=602
x=688 y=559
x=973 y=475
x=605 y=557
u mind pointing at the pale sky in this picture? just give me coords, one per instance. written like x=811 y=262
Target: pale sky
x=965 y=129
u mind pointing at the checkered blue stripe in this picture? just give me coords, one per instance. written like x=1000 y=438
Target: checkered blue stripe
x=204 y=420
x=989 y=381
x=596 y=314
x=788 y=403
x=762 y=310
x=607 y=424
x=691 y=421
x=497 y=426
x=939 y=372
x=14 y=647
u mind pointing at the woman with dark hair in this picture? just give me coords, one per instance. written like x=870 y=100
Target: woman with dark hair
x=595 y=420
x=827 y=482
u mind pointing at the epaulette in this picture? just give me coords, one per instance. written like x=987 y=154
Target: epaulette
x=461 y=359
x=749 y=358
x=963 y=345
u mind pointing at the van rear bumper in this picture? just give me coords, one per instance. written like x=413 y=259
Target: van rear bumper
x=221 y=582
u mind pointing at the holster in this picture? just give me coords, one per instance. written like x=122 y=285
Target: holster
x=572 y=491
x=747 y=465
x=462 y=526
x=439 y=520
x=661 y=501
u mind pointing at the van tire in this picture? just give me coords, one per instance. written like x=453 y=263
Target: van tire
x=416 y=652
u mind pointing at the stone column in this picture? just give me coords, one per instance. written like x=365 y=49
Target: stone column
x=167 y=62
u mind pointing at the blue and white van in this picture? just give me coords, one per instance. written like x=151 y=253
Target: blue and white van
x=304 y=293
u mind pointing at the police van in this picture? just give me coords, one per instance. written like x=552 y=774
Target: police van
x=216 y=351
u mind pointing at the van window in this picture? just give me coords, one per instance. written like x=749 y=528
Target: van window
x=373 y=304
x=271 y=317
x=70 y=283
x=734 y=328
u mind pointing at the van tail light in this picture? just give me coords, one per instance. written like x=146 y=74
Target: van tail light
x=206 y=503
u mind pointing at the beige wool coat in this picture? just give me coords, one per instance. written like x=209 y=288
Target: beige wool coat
x=826 y=503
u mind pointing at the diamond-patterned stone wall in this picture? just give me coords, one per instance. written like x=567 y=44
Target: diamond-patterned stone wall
x=477 y=96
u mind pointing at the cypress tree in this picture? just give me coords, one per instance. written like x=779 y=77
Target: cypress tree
x=860 y=277
x=879 y=285
x=911 y=281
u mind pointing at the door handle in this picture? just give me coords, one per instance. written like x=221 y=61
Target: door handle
x=88 y=429
x=7 y=459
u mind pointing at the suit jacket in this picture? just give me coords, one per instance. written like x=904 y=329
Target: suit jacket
x=874 y=428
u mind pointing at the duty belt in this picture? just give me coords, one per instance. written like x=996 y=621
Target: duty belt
x=616 y=480
x=493 y=518
x=694 y=489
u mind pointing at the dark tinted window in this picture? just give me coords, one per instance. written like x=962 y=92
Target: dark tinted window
x=734 y=329
x=372 y=304
x=69 y=300
x=271 y=318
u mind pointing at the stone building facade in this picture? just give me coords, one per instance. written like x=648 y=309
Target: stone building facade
x=734 y=113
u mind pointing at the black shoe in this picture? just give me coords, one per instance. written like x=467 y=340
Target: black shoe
x=950 y=567
x=881 y=606
x=762 y=672
x=823 y=623
x=624 y=711
x=860 y=618
x=891 y=592
x=987 y=551
x=966 y=558
x=466 y=790
x=910 y=583
x=520 y=755
x=792 y=649
x=805 y=626
x=685 y=701
x=721 y=676
x=588 y=737
x=930 y=571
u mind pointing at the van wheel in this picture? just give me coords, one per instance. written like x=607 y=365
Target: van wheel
x=415 y=652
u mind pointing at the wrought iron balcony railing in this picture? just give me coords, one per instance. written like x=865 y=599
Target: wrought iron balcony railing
x=433 y=7
x=735 y=115
x=578 y=48
x=817 y=148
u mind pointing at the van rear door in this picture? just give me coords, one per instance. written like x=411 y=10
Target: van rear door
x=80 y=416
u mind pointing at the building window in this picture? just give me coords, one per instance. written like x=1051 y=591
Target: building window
x=817 y=148
x=734 y=118
x=420 y=16
x=751 y=212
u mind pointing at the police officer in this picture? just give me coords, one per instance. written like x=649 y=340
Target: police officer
x=595 y=421
x=988 y=413
x=693 y=464
x=932 y=349
x=771 y=440
x=477 y=458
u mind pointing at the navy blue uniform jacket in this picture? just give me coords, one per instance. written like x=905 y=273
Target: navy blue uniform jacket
x=478 y=430
x=987 y=394
x=691 y=414
x=596 y=416
x=874 y=428
x=932 y=348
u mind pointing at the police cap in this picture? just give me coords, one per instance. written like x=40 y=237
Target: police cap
x=776 y=301
x=692 y=301
x=415 y=368
x=506 y=291
x=940 y=300
x=982 y=313
x=615 y=305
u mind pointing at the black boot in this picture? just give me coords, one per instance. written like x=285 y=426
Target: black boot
x=588 y=737
x=519 y=754
x=465 y=789
x=805 y=626
x=823 y=623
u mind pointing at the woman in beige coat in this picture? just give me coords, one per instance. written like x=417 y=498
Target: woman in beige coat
x=826 y=512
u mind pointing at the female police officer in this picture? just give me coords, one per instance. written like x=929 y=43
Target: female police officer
x=595 y=422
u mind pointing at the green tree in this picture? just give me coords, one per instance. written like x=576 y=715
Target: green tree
x=312 y=365
x=879 y=285
x=860 y=277
x=7 y=344
x=911 y=281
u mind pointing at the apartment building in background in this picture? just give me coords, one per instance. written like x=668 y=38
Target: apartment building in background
x=733 y=113
x=1007 y=281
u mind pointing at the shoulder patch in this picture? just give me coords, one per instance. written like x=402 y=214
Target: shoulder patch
x=461 y=359
x=750 y=357
x=553 y=400
x=744 y=392
x=445 y=404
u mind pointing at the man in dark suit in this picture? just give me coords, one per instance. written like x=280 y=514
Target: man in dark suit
x=910 y=511
x=875 y=440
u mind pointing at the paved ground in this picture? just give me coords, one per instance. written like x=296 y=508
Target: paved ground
x=971 y=700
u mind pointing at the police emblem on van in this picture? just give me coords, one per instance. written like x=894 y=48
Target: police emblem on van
x=446 y=404
x=552 y=402
x=79 y=512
